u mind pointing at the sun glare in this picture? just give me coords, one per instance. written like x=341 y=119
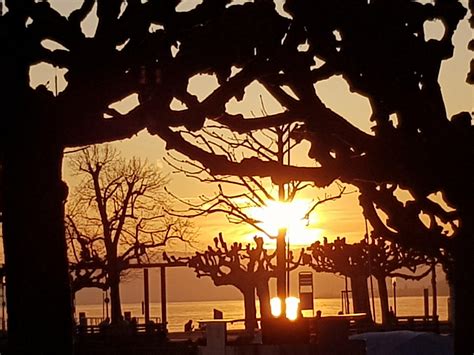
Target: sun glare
x=301 y=230
x=292 y=307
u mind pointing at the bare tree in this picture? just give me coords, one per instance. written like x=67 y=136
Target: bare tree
x=115 y=217
x=238 y=196
x=241 y=198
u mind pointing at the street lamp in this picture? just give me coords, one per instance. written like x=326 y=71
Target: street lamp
x=394 y=286
x=106 y=305
x=281 y=238
x=291 y=306
x=281 y=268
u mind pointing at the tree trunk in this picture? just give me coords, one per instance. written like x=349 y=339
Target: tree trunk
x=451 y=298
x=383 y=295
x=360 y=294
x=250 y=309
x=464 y=292
x=115 y=303
x=263 y=293
x=38 y=291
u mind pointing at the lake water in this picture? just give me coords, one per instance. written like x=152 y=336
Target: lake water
x=180 y=312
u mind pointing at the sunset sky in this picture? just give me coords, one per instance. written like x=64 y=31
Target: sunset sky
x=342 y=217
x=336 y=218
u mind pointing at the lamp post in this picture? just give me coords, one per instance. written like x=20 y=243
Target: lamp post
x=394 y=286
x=281 y=243
x=106 y=304
x=281 y=267
x=146 y=292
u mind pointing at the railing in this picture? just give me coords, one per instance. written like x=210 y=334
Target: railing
x=426 y=323
x=90 y=321
x=412 y=319
x=98 y=320
x=97 y=325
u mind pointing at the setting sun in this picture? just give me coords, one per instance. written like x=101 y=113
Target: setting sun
x=301 y=229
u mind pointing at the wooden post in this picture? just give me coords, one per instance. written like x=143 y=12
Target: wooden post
x=435 y=290
x=342 y=301
x=163 y=296
x=103 y=305
x=146 y=291
x=372 y=298
x=348 y=305
x=281 y=266
x=281 y=243
x=107 y=301
x=394 y=285
x=370 y=271
x=287 y=266
x=426 y=302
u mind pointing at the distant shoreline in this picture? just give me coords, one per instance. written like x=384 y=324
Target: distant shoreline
x=400 y=294
x=179 y=313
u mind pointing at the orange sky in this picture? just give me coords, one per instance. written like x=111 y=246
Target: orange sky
x=339 y=218
x=342 y=217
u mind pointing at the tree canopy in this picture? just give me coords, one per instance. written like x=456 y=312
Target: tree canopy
x=246 y=267
x=241 y=198
x=359 y=261
x=378 y=47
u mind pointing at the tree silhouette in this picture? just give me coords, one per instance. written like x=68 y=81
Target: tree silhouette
x=388 y=259
x=272 y=209
x=124 y=58
x=359 y=260
x=381 y=50
x=245 y=267
x=239 y=196
x=346 y=259
x=116 y=216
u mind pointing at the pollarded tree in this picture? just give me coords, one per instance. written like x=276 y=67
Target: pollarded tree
x=239 y=266
x=360 y=260
x=116 y=216
x=346 y=259
x=389 y=259
x=245 y=267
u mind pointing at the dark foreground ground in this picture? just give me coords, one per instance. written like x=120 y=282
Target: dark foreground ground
x=237 y=344
x=334 y=341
